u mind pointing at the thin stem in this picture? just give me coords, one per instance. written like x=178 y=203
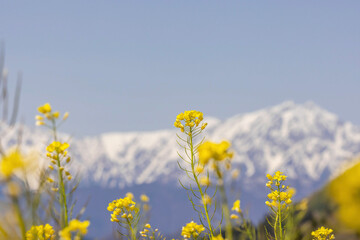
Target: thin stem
x=61 y=191
x=225 y=206
x=198 y=184
x=279 y=213
x=20 y=217
x=132 y=231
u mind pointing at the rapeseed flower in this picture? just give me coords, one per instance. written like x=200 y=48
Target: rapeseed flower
x=280 y=199
x=12 y=162
x=76 y=228
x=144 y=198
x=204 y=181
x=192 y=230
x=123 y=207
x=216 y=151
x=46 y=110
x=236 y=206
x=280 y=195
x=189 y=119
x=41 y=232
x=323 y=234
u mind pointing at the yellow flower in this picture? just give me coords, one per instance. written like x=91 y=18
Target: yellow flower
x=280 y=194
x=147 y=225
x=56 y=114
x=39 y=118
x=124 y=206
x=206 y=200
x=192 y=230
x=199 y=169
x=66 y=115
x=39 y=123
x=144 y=198
x=323 y=234
x=216 y=151
x=236 y=206
x=75 y=226
x=235 y=173
x=234 y=216
x=205 y=181
x=190 y=118
x=46 y=108
x=11 y=162
x=130 y=195
x=345 y=191
x=41 y=232
x=57 y=147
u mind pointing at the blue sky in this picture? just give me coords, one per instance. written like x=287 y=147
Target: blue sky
x=134 y=65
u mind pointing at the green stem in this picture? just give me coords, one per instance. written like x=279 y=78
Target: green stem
x=132 y=232
x=225 y=206
x=275 y=226
x=246 y=226
x=198 y=184
x=279 y=214
x=20 y=217
x=61 y=191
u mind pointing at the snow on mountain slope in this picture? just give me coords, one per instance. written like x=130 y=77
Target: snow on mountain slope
x=304 y=140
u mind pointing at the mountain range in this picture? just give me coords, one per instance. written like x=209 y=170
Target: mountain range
x=305 y=141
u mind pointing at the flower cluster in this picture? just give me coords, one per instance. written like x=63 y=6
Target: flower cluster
x=190 y=119
x=280 y=195
x=192 y=230
x=236 y=208
x=323 y=234
x=125 y=207
x=56 y=152
x=76 y=227
x=149 y=233
x=216 y=151
x=41 y=232
x=12 y=162
x=47 y=113
x=58 y=148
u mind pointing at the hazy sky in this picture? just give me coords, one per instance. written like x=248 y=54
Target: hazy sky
x=134 y=65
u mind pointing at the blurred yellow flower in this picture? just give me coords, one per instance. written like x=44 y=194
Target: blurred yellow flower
x=236 y=206
x=11 y=162
x=46 y=108
x=76 y=227
x=144 y=198
x=192 y=230
x=216 y=151
x=345 y=191
x=43 y=232
x=204 y=181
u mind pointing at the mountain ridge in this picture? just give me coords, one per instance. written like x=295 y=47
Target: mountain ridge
x=302 y=139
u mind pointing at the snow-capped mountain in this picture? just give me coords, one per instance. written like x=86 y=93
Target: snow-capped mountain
x=303 y=140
